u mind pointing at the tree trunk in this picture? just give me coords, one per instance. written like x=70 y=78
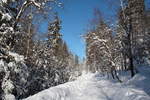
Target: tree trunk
x=130 y=49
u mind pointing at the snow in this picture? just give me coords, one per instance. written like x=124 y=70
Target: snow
x=15 y=75
x=1 y=66
x=10 y=97
x=18 y=58
x=9 y=85
x=6 y=16
x=95 y=86
x=142 y=80
x=5 y=1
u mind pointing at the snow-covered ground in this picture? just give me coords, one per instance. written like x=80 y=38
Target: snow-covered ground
x=94 y=86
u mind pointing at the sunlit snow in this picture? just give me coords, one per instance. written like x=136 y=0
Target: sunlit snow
x=94 y=86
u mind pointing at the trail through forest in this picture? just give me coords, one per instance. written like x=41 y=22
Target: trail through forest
x=95 y=86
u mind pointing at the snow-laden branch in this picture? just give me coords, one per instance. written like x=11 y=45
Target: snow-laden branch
x=26 y=4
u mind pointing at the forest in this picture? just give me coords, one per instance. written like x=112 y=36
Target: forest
x=32 y=61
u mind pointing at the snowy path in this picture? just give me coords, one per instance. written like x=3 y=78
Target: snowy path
x=91 y=87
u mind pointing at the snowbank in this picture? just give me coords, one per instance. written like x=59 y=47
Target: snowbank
x=95 y=87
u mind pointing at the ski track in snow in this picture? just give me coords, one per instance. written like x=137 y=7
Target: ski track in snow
x=92 y=87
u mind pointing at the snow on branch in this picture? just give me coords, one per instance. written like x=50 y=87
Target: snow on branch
x=26 y=4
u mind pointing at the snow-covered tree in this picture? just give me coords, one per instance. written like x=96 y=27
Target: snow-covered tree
x=15 y=74
x=132 y=22
x=100 y=52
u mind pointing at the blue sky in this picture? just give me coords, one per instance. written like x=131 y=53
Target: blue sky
x=75 y=18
